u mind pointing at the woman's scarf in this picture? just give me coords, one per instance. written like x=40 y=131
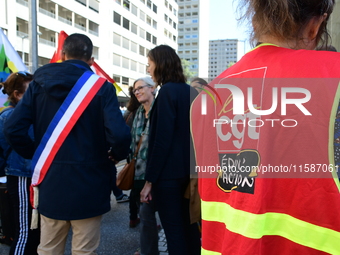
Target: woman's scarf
x=139 y=132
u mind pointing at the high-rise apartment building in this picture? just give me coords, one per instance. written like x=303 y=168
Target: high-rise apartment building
x=222 y=54
x=193 y=34
x=122 y=31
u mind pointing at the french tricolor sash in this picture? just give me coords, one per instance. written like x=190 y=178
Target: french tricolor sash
x=66 y=117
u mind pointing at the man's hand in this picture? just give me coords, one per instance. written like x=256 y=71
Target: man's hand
x=145 y=194
x=111 y=157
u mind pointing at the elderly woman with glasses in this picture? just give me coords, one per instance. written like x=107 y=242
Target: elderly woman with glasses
x=18 y=171
x=144 y=90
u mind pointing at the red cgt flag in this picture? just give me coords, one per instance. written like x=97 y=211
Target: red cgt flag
x=98 y=70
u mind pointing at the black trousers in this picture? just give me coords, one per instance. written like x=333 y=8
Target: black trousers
x=182 y=238
x=25 y=241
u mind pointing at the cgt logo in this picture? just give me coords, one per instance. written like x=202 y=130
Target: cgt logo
x=239 y=101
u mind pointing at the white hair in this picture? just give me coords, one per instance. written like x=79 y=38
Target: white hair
x=148 y=81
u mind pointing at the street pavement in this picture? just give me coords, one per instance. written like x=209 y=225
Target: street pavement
x=116 y=236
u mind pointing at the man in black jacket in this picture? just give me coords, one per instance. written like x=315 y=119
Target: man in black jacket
x=76 y=189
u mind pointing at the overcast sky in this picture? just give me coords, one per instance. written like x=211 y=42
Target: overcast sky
x=223 y=23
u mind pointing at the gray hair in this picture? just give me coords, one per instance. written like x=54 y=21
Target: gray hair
x=148 y=81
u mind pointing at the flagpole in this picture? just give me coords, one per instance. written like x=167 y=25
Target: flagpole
x=33 y=34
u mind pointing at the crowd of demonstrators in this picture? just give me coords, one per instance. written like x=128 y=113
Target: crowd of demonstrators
x=144 y=90
x=75 y=191
x=18 y=172
x=168 y=163
x=258 y=217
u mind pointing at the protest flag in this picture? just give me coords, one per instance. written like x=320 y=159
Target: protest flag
x=10 y=61
x=96 y=68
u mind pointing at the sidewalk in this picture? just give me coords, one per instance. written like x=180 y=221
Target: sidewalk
x=116 y=236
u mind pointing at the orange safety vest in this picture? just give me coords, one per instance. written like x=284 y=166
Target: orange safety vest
x=268 y=183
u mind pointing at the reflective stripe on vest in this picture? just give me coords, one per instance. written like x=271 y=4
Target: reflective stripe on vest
x=279 y=224
x=206 y=252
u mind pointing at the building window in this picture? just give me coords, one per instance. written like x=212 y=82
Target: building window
x=148 y=4
x=126 y=43
x=126 y=4
x=174 y=38
x=125 y=63
x=125 y=80
x=116 y=59
x=142 y=33
x=126 y=23
x=166 y=18
x=134 y=9
x=148 y=36
x=148 y=20
x=116 y=39
x=170 y=21
x=118 y=1
x=170 y=7
x=175 y=12
x=154 y=24
x=141 y=50
x=174 y=25
x=142 y=68
x=116 y=78
x=154 y=40
x=133 y=65
x=154 y=8
x=134 y=47
x=195 y=21
x=166 y=3
x=116 y=18
x=133 y=28
x=141 y=15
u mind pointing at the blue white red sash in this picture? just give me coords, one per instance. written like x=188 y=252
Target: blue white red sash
x=66 y=117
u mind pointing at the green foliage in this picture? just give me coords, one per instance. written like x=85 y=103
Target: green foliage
x=231 y=64
x=186 y=69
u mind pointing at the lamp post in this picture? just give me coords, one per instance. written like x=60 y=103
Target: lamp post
x=33 y=35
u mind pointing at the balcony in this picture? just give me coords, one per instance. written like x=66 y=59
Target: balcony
x=66 y=21
x=22 y=34
x=93 y=28
x=65 y=15
x=93 y=32
x=47 y=42
x=23 y=2
x=82 y=27
x=45 y=12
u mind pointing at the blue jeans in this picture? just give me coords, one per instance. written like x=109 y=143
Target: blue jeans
x=173 y=211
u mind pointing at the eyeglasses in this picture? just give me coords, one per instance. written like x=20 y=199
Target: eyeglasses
x=137 y=89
